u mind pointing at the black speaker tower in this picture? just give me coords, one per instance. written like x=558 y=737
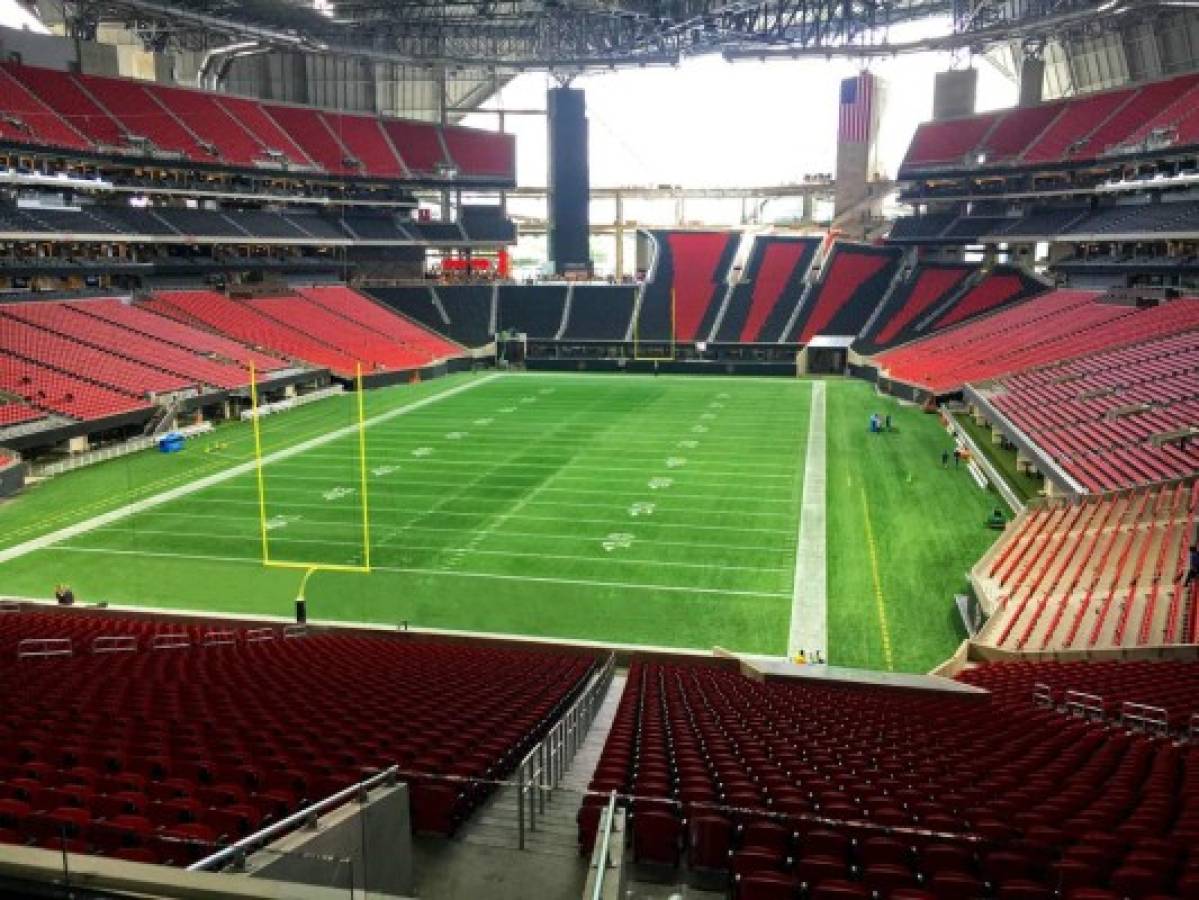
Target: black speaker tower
x=569 y=182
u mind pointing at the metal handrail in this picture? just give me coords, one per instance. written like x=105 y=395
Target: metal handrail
x=1142 y=715
x=294 y=631
x=541 y=770
x=114 y=643
x=175 y=640
x=1042 y=694
x=1193 y=729
x=236 y=852
x=1085 y=705
x=219 y=637
x=253 y=635
x=602 y=863
x=45 y=647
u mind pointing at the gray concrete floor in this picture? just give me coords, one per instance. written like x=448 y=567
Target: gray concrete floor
x=452 y=870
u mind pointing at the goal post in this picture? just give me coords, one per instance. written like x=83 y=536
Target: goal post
x=311 y=566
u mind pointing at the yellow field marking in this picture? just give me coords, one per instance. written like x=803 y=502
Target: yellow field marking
x=879 y=600
x=47 y=523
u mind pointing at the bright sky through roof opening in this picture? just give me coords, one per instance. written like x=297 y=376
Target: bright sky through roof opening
x=711 y=122
x=13 y=15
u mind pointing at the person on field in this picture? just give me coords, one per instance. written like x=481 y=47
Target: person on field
x=64 y=595
x=944 y=459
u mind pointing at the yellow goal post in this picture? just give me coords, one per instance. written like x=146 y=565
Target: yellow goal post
x=311 y=567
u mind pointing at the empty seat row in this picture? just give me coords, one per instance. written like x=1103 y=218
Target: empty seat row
x=793 y=788
x=174 y=750
x=75 y=111
x=1079 y=128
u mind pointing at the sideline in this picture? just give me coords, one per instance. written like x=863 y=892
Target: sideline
x=809 y=592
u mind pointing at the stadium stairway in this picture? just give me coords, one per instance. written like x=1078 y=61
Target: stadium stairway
x=557 y=834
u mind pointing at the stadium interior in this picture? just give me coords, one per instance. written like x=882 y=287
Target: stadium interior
x=375 y=521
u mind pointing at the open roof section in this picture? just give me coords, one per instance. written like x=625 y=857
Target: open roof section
x=515 y=35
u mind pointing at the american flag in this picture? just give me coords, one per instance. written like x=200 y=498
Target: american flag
x=856 y=108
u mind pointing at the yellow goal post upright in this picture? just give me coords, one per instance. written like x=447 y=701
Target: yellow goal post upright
x=638 y=355
x=311 y=568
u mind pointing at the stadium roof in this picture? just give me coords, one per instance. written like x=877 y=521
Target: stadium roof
x=578 y=35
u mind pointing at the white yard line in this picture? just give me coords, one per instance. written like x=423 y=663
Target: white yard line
x=582 y=582
x=505 y=554
x=473 y=461
x=616 y=520
x=809 y=597
x=291 y=484
x=115 y=515
x=650 y=495
x=190 y=514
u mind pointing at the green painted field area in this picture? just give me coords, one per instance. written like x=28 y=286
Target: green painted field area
x=618 y=508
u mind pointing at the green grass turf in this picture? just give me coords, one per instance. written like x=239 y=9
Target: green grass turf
x=928 y=528
x=1027 y=487
x=513 y=507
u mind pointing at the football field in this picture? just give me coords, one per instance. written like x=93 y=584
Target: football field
x=659 y=511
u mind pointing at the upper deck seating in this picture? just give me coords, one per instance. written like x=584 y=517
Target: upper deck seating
x=1141 y=218
x=141 y=115
x=218 y=747
x=27 y=119
x=687 y=284
x=917 y=298
x=599 y=313
x=1079 y=128
x=416 y=303
x=1064 y=136
x=84 y=112
x=853 y=283
x=265 y=130
x=1000 y=287
x=763 y=301
x=481 y=153
x=366 y=142
x=419 y=145
x=63 y=93
x=470 y=311
x=920 y=228
x=949 y=141
x=535 y=310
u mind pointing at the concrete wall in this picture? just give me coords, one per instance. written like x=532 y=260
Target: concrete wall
x=38 y=49
x=12 y=479
x=376 y=838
